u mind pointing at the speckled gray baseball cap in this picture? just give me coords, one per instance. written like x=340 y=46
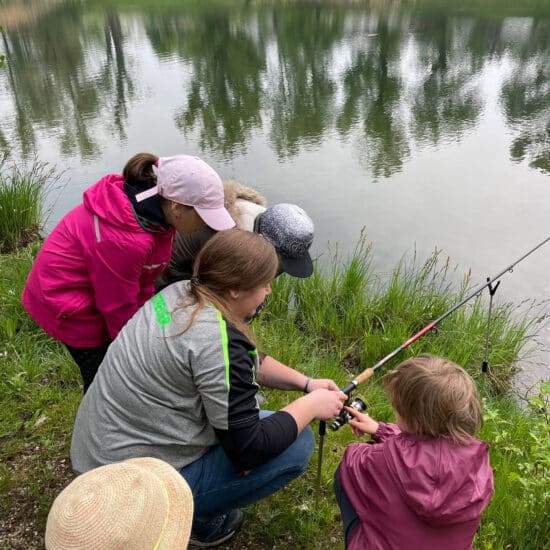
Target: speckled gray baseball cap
x=290 y=230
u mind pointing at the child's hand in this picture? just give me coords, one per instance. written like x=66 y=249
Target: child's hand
x=361 y=423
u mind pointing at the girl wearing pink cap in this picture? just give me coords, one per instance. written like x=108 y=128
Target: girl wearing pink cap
x=98 y=266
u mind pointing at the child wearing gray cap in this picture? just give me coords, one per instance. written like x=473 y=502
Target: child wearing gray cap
x=290 y=230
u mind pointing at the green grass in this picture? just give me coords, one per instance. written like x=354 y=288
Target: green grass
x=491 y=8
x=520 y=457
x=334 y=324
x=21 y=194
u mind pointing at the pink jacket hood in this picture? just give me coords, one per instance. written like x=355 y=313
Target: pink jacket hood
x=416 y=493
x=441 y=482
x=107 y=200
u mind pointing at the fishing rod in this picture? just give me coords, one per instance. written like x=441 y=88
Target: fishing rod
x=345 y=416
x=367 y=373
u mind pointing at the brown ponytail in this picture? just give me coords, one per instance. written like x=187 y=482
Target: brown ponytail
x=139 y=169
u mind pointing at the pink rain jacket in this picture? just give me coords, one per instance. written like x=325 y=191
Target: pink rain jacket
x=416 y=494
x=95 y=269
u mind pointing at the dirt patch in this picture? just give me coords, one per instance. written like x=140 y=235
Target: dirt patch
x=33 y=481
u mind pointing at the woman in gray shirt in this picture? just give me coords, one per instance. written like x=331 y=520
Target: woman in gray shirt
x=179 y=383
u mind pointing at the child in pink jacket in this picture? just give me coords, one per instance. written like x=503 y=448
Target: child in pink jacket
x=425 y=481
x=99 y=264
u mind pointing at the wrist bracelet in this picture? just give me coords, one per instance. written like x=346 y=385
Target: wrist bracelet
x=307 y=384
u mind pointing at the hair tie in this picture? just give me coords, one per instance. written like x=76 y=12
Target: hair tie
x=195 y=281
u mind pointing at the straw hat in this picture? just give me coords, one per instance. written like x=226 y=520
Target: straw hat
x=141 y=504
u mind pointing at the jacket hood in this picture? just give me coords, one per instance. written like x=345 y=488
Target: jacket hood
x=243 y=204
x=108 y=201
x=233 y=191
x=442 y=483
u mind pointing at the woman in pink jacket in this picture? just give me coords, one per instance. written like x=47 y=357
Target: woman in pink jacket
x=99 y=264
x=425 y=481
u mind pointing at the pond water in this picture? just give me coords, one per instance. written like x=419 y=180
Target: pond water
x=426 y=124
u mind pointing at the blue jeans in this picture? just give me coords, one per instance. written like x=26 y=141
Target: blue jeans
x=217 y=488
x=350 y=519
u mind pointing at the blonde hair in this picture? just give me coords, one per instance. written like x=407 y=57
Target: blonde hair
x=231 y=260
x=435 y=397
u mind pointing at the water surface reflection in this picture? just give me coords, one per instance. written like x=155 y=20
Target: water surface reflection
x=390 y=80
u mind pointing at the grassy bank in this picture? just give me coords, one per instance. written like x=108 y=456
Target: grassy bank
x=334 y=324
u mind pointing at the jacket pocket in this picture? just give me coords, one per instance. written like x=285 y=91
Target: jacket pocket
x=70 y=309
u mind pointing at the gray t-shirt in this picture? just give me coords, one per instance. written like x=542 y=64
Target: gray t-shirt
x=172 y=395
x=147 y=398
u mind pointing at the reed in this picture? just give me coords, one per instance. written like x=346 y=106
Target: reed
x=352 y=318
x=520 y=456
x=21 y=198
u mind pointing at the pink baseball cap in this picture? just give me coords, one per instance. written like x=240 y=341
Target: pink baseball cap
x=190 y=181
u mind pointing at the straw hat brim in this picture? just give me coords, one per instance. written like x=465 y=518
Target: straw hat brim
x=141 y=503
x=180 y=499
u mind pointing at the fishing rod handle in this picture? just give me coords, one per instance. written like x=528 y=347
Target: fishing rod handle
x=365 y=375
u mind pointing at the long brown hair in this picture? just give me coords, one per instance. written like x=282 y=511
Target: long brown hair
x=233 y=259
x=138 y=171
x=435 y=397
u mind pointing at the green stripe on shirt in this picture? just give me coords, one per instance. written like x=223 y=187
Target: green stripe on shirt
x=225 y=347
x=161 y=310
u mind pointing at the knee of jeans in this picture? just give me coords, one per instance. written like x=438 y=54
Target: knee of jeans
x=306 y=446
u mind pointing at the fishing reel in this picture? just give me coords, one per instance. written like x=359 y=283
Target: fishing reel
x=344 y=417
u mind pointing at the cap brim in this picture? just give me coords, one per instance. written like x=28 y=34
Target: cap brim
x=297 y=267
x=216 y=218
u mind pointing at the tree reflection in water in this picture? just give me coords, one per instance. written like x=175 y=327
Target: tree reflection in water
x=65 y=73
x=526 y=97
x=385 y=79
x=225 y=93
